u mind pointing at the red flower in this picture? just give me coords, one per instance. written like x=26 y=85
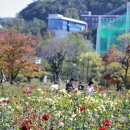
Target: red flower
x=107 y=123
x=17 y=103
x=102 y=128
x=82 y=108
x=46 y=116
x=25 y=127
x=27 y=91
x=6 y=101
x=27 y=120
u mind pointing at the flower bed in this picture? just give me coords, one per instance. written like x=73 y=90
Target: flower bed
x=25 y=108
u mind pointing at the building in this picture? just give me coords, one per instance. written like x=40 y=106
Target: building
x=63 y=25
x=92 y=20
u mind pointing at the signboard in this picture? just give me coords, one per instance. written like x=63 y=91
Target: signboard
x=38 y=62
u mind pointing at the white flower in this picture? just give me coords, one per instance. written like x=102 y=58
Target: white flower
x=1 y=100
x=74 y=115
x=101 y=108
x=123 y=120
x=61 y=124
x=57 y=115
x=63 y=91
x=71 y=119
x=39 y=89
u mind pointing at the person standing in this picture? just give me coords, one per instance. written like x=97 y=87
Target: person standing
x=80 y=86
x=90 y=88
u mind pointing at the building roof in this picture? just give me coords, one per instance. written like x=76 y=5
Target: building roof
x=58 y=16
x=99 y=15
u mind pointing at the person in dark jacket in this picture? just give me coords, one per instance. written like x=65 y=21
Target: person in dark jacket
x=119 y=86
x=70 y=85
x=80 y=86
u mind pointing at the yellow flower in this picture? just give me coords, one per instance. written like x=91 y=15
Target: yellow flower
x=129 y=91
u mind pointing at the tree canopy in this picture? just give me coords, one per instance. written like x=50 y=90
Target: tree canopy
x=70 y=8
x=16 y=52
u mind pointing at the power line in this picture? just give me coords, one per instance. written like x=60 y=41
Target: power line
x=116 y=10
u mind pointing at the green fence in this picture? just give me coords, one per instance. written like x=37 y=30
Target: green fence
x=109 y=30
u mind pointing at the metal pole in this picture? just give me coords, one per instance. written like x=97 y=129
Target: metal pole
x=98 y=36
x=87 y=68
x=127 y=17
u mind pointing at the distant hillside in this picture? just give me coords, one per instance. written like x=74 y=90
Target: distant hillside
x=70 y=8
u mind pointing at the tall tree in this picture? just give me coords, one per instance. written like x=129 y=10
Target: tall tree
x=118 y=61
x=91 y=65
x=125 y=57
x=55 y=51
x=58 y=50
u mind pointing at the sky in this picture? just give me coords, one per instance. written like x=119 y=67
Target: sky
x=9 y=8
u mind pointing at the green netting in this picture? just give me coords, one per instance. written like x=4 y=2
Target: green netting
x=110 y=30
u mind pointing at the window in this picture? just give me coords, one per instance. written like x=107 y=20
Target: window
x=55 y=24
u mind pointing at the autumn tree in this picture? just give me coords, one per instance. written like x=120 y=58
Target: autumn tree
x=31 y=70
x=117 y=60
x=125 y=57
x=15 y=51
x=112 y=67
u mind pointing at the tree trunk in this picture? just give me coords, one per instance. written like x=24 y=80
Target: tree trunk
x=56 y=77
x=125 y=79
x=3 y=76
x=29 y=79
x=11 y=79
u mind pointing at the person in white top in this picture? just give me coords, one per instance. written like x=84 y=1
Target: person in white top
x=90 y=88
x=54 y=87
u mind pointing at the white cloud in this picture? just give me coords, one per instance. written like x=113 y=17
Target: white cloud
x=9 y=8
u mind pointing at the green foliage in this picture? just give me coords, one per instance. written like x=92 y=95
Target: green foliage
x=91 y=63
x=21 y=78
x=70 y=8
x=78 y=40
x=34 y=27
